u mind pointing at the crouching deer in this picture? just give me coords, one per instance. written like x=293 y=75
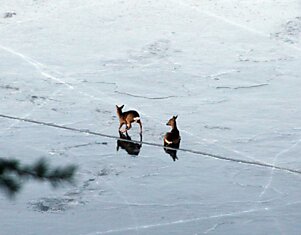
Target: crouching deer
x=127 y=118
x=172 y=139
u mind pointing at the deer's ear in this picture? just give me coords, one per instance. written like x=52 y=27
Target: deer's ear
x=175 y=117
x=117 y=106
x=122 y=106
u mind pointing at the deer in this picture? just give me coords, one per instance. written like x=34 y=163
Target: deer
x=127 y=118
x=173 y=137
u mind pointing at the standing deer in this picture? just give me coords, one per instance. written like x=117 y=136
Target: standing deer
x=172 y=139
x=127 y=118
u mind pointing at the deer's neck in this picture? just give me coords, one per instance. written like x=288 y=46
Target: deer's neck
x=174 y=128
x=119 y=113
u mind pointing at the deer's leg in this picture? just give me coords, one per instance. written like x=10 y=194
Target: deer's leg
x=120 y=125
x=128 y=126
x=140 y=124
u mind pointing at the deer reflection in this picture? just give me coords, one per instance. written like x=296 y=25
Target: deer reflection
x=172 y=139
x=172 y=152
x=130 y=147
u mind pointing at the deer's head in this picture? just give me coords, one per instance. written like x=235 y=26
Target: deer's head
x=172 y=121
x=119 y=109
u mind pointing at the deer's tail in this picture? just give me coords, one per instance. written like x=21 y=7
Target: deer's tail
x=140 y=124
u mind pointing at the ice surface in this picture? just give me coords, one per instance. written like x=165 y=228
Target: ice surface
x=229 y=69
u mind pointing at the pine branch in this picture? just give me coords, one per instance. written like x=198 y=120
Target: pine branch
x=12 y=174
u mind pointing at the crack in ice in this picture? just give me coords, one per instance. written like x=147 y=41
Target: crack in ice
x=132 y=213
x=209 y=230
x=274 y=163
x=185 y=221
x=210 y=155
x=180 y=221
x=242 y=87
x=30 y=112
x=150 y=98
x=39 y=66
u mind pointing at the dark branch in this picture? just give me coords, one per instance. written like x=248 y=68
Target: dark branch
x=12 y=174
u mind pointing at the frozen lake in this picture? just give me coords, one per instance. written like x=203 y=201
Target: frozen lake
x=230 y=71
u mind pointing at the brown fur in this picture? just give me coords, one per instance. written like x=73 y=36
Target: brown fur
x=172 y=137
x=127 y=118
